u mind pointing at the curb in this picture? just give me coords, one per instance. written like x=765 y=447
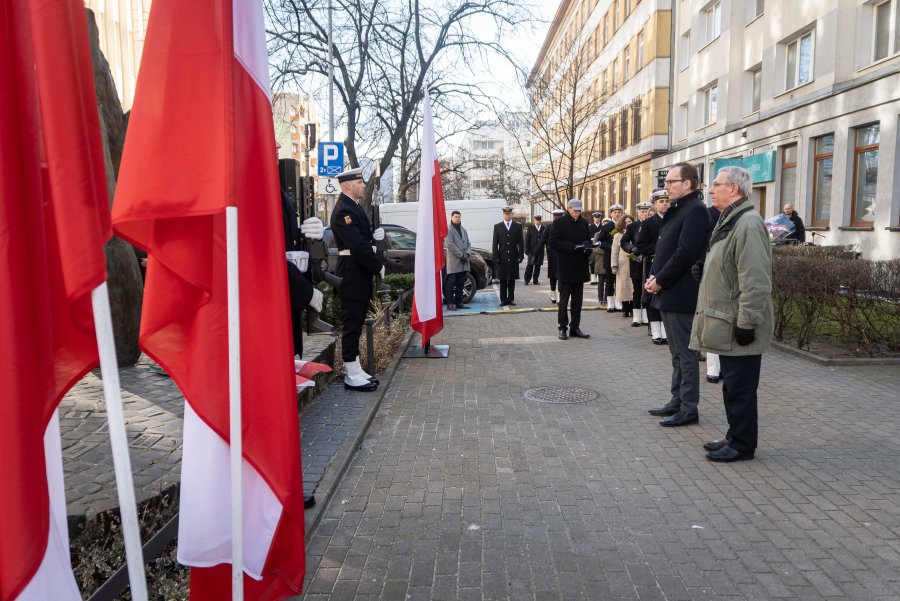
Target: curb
x=833 y=362
x=341 y=460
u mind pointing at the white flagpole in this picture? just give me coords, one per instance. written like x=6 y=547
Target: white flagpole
x=112 y=393
x=234 y=404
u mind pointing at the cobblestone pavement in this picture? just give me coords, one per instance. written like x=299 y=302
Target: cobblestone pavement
x=154 y=408
x=463 y=489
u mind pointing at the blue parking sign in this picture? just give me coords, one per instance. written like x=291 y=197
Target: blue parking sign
x=331 y=158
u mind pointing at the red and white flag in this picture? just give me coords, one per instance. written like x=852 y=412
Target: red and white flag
x=427 y=309
x=201 y=138
x=54 y=221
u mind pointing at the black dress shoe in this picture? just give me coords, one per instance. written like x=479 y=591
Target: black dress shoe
x=537 y=283
x=576 y=333
x=512 y=304
x=462 y=306
x=526 y=283
x=362 y=387
x=562 y=334
x=712 y=379
x=663 y=411
x=682 y=418
x=658 y=341
x=309 y=501
x=715 y=445
x=635 y=324
x=611 y=310
x=664 y=341
x=726 y=455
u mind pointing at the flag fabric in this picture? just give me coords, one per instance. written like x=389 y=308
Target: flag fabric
x=54 y=221
x=427 y=309
x=306 y=372
x=201 y=138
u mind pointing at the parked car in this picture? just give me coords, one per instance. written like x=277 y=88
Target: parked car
x=401 y=250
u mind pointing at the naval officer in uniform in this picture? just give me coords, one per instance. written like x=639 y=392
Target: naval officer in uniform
x=357 y=264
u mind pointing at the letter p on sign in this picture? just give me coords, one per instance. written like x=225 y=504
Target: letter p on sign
x=331 y=158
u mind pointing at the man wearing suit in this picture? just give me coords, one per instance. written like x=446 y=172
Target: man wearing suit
x=508 y=250
x=459 y=249
x=570 y=239
x=357 y=264
x=680 y=244
x=535 y=241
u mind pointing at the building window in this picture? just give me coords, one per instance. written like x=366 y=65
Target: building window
x=623 y=190
x=626 y=64
x=295 y=148
x=710 y=103
x=640 y=51
x=623 y=128
x=603 y=140
x=682 y=122
x=788 y=174
x=755 y=9
x=605 y=29
x=684 y=50
x=798 y=61
x=712 y=18
x=627 y=8
x=612 y=135
x=886 y=26
x=615 y=76
x=865 y=174
x=756 y=83
x=605 y=83
x=480 y=184
x=615 y=11
x=636 y=185
x=601 y=193
x=636 y=120
x=612 y=191
x=822 y=170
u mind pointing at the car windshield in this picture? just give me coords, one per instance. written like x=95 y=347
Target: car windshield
x=401 y=240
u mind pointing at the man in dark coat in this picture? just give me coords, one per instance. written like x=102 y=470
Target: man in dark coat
x=508 y=250
x=607 y=233
x=357 y=264
x=551 y=255
x=646 y=237
x=535 y=242
x=594 y=227
x=799 y=233
x=674 y=289
x=570 y=239
x=635 y=263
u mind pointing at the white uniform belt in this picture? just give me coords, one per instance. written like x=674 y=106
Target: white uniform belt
x=344 y=253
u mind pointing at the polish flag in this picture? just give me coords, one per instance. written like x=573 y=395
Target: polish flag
x=54 y=221
x=201 y=138
x=427 y=309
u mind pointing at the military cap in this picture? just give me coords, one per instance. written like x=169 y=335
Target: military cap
x=597 y=214
x=349 y=175
x=658 y=194
x=645 y=205
x=558 y=212
x=507 y=209
x=537 y=217
x=616 y=207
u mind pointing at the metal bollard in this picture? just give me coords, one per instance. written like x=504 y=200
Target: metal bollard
x=370 y=345
x=388 y=309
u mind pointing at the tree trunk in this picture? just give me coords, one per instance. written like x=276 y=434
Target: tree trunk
x=124 y=280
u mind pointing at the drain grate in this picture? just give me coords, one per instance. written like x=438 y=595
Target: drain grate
x=560 y=394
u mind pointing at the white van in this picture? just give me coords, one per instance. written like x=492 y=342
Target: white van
x=478 y=217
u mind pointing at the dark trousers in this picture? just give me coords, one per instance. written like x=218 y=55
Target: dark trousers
x=653 y=313
x=507 y=291
x=455 y=284
x=553 y=284
x=532 y=269
x=353 y=313
x=609 y=283
x=740 y=377
x=685 y=363
x=575 y=293
x=638 y=287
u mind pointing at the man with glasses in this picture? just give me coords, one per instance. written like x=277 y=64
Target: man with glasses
x=680 y=245
x=570 y=240
x=734 y=309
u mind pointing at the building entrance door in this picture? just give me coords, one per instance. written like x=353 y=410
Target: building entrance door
x=759 y=200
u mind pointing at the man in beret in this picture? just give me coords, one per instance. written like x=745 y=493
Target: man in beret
x=357 y=264
x=570 y=238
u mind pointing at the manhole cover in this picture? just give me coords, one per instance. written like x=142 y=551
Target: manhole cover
x=560 y=394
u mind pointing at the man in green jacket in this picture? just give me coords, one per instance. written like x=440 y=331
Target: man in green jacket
x=734 y=315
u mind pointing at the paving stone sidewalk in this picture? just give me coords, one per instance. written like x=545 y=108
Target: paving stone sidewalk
x=463 y=489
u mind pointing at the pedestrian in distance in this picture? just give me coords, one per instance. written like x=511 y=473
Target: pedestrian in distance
x=357 y=264
x=680 y=244
x=799 y=234
x=508 y=249
x=459 y=249
x=535 y=242
x=734 y=316
x=621 y=267
x=570 y=239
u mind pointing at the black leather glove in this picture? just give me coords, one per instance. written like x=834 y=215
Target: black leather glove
x=744 y=336
x=697 y=271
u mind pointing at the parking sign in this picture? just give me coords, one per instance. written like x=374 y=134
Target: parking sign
x=331 y=158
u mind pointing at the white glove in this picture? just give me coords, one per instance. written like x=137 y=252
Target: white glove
x=312 y=228
x=316 y=302
x=378 y=234
x=382 y=272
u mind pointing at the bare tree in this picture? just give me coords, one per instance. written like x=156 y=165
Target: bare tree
x=567 y=134
x=385 y=53
x=505 y=182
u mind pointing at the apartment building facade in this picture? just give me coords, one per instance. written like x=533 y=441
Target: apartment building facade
x=804 y=95
x=620 y=52
x=492 y=154
x=122 y=25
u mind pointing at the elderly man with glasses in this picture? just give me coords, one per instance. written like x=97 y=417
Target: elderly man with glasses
x=734 y=309
x=680 y=245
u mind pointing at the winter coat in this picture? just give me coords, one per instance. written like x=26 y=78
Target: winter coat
x=799 y=233
x=620 y=260
x=736 y=289
x=508 y=250
x=535 y=241
x=680 y=244
x=571 y=264
x=459 y=249
x=352 y=231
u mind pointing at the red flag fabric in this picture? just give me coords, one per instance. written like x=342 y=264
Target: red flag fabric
x=427 y=309
x=54 y=222
x=201 y=138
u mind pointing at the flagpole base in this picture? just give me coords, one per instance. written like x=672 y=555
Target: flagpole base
x=434 y=351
